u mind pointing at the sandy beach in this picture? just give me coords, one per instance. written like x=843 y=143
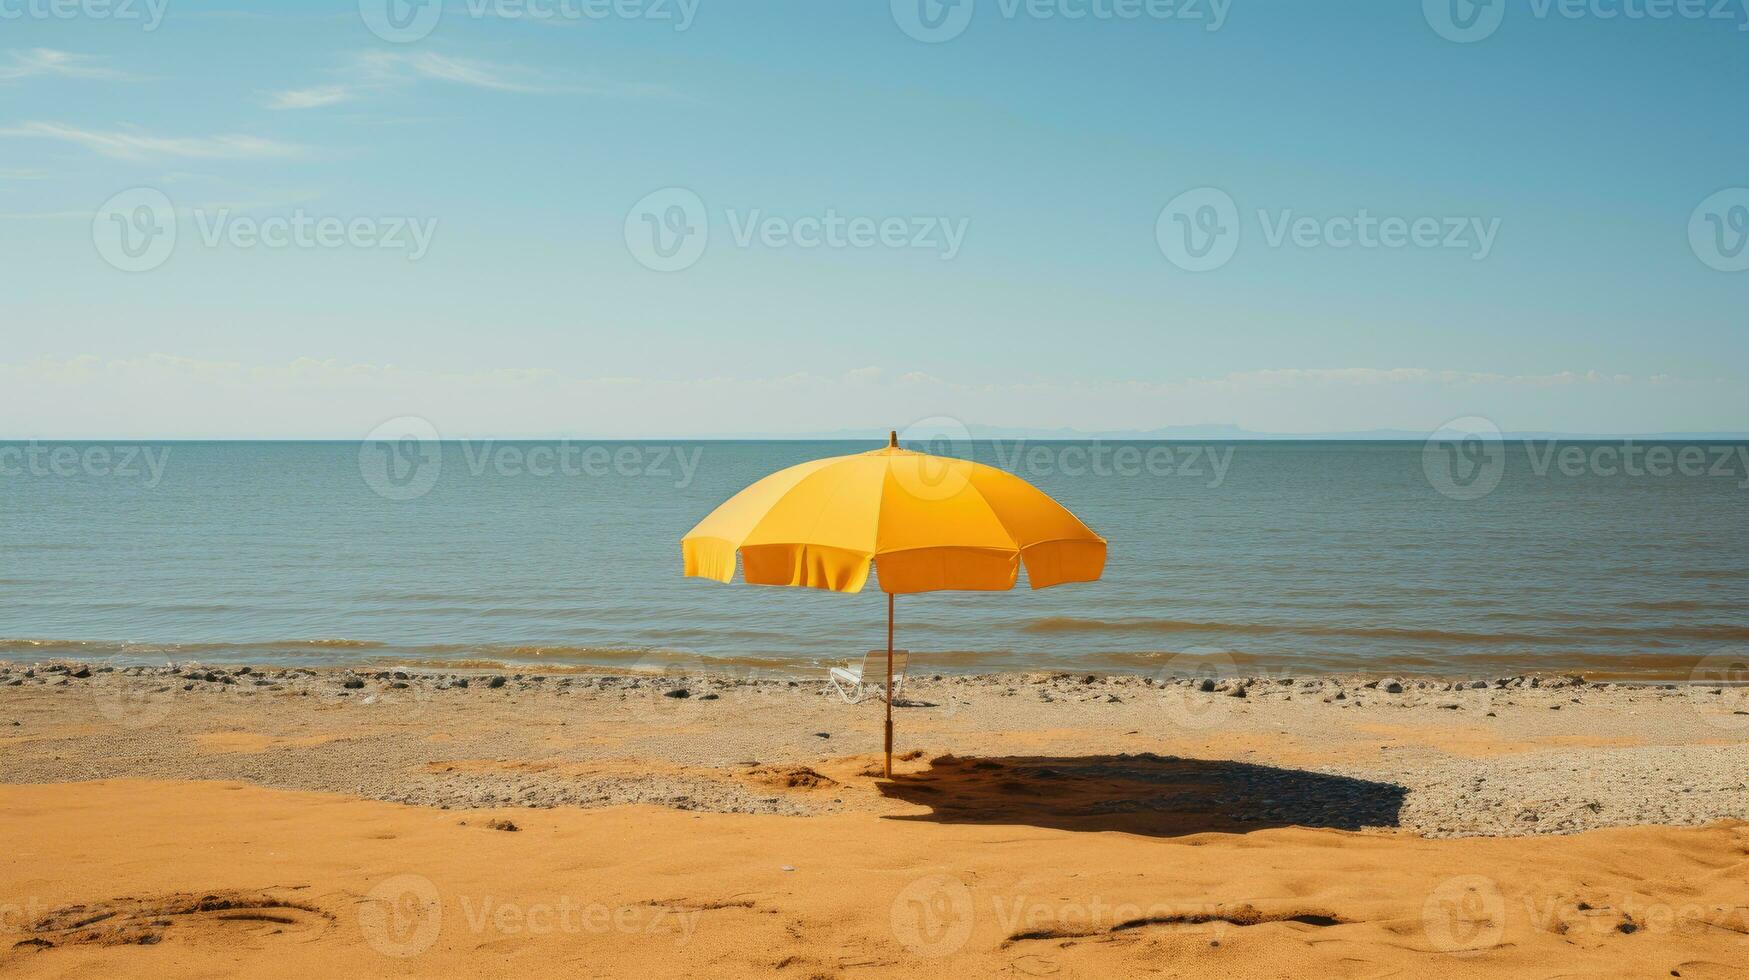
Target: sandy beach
x=272 y=821
x=1056 y=489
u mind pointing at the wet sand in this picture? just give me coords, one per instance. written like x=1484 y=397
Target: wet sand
x=274 y=822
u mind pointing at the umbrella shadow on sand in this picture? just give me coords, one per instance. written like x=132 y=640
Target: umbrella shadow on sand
x=1153 y=795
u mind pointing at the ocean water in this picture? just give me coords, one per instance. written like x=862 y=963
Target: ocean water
x=1281 y=556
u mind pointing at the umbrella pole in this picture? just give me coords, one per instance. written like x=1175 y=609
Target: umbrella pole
x=889 y=685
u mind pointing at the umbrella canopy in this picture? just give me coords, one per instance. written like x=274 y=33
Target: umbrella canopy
x=926 y=523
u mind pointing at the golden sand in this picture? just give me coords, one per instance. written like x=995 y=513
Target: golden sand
x=1068 y=827
x=211 y=879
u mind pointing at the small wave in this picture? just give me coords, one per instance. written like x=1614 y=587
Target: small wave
x=123 y=647
x=1576 y=634
x=1639 y=667
x=489 y=657
x=148 y=608
x=705 y=633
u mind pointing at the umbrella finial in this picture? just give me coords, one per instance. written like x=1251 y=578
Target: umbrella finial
x=892 y=438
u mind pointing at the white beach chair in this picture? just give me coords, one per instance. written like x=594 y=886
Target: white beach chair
x=859 y=682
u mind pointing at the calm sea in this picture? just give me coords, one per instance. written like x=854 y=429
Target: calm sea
x=1298 y=556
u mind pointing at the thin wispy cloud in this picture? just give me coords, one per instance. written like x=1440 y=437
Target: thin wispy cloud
x=311 y=98
x=388 y=67
x=132 y=145
x=41 y=62
x=1277 y=377
x=371 y=72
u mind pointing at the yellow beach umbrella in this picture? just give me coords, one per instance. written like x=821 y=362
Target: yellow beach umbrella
x=927 y=523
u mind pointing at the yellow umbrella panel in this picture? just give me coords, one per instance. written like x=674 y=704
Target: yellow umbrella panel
x=927 y=523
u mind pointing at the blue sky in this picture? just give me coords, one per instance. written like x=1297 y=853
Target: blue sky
x=1577 y=147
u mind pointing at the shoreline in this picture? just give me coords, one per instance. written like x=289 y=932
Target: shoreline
x=1439 y=758
x=1728 y=665
x=21 y=672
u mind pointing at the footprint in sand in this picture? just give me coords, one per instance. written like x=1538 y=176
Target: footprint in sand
x=197 y=916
